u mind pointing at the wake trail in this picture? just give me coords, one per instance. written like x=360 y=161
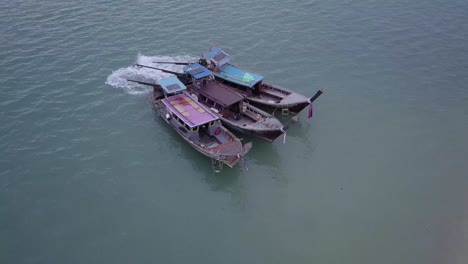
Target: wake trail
x=118 y=78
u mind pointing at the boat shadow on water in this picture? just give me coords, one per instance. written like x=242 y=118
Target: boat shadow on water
x=224 y=181
x=263 y=157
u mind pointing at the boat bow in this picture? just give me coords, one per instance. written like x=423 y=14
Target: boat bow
x=311 y=100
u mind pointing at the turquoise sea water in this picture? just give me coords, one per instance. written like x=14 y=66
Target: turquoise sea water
x=89 y=173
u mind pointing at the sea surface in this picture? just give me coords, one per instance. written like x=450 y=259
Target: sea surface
x=89 y=172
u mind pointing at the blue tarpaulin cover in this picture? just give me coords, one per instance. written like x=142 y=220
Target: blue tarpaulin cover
x=236 y=75
x=218 y=56
x=197 y=71
x=172 y=85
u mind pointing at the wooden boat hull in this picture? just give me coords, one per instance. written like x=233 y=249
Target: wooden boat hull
x=271 y=97
x=293 y=102
x=259 y=93
x=234 y=112
x=230 y=160
x=293 y=108
x=268 y=135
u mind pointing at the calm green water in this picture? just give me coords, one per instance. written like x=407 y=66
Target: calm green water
x=89 y=173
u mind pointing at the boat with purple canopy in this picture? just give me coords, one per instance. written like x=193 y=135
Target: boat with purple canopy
x=196 y=124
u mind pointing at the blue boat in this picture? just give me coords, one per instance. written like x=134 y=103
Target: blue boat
x=251 y=85
x=196 y=124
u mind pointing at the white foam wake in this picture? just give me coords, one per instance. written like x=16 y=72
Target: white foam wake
x=118 y=78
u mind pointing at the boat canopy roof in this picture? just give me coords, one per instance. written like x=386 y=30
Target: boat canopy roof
x=218 y=56
x=239 y=76
x=172 y=85
x=191 y=112
x=220 y=93
x=197 y=71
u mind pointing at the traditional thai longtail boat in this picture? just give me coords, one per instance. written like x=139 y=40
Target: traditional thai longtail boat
x=230 y=106
x=196 y=124
x=264 y=95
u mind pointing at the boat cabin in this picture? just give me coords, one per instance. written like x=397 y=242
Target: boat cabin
x=215 y=95
x=184 y=113
x=243 y=80
x=172 y=85
x=198 y=73
x=216 y=56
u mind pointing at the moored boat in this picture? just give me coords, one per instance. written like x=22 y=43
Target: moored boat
x=231 y=107
x=196 y=124
x=251 y=85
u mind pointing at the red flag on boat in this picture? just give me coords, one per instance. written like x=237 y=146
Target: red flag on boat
x=310 y=111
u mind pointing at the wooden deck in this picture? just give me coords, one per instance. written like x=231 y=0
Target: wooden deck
x=273 y=93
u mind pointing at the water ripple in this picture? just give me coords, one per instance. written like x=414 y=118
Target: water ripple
x=119 y=77
x=76 y=139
